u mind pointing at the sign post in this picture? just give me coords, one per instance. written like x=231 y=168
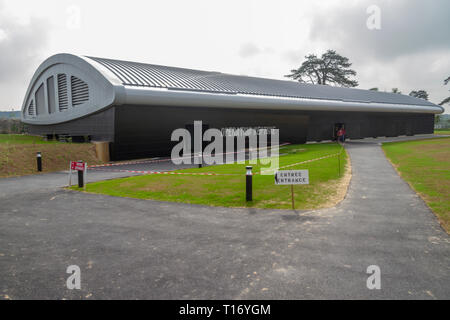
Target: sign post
x=85 y=174
x=70 y=174
x=81 y=167
x=291 y=177
x=292 y=195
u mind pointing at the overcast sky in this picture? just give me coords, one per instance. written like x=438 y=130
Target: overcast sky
x=410 y=51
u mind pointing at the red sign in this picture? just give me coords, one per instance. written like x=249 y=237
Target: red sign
x=77 y=165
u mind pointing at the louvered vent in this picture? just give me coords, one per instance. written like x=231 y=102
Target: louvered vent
x=62 y=92
x=31 y=108
x=80 y=91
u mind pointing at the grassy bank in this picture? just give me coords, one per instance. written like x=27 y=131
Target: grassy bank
x=18 y=154
x=425 y=165
x=23 y=139
x=325 y=189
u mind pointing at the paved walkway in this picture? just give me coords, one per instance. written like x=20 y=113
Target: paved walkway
x=129 y=248
x=16 y=186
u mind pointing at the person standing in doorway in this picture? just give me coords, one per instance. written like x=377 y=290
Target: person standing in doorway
x=339 y=135
x=343 y=134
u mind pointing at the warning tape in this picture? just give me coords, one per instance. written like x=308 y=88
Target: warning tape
x=181 y=158
x=217 y=174
x=308 y=161
x=303 y=162
x=172 y=172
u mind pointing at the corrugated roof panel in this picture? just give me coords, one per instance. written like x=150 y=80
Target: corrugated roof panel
x=149 y=75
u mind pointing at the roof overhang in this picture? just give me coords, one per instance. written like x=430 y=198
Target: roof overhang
x=89 y=87
x=166 y=97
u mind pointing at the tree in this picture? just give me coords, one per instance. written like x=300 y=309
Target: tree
x=330 y=68
x=373 y=89
x=422 y=94
x=437 y=118
x=395 y=90
x=446 y=100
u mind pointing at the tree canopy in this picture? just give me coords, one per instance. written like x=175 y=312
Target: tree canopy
x=446 y=100
x=330 y=68
x=422 y=94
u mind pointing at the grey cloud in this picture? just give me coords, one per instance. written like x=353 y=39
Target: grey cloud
x=20 y=47
x=414 y=36
x=248 y=50
x=407 y=27
x=293 y=56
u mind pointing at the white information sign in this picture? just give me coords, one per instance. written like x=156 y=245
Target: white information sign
x=286 y=177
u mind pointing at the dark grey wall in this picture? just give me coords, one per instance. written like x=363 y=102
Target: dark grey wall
x=145 y=131
x=370 y=124
x=99 y=126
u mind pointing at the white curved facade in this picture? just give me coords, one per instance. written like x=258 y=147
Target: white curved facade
x=66 y=87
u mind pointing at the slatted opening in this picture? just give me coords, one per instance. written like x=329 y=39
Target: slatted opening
x=62 y=92
x=40 y=100
x=31 y=108
x=80 y=91
x=51 y=94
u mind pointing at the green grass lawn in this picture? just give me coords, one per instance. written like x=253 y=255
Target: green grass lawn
x=325 y=189
x=23 y=139
x=425 y=165
x=442 y=131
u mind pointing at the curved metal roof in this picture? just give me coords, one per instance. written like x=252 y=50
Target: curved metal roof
x=67 y=87
x=157 y=76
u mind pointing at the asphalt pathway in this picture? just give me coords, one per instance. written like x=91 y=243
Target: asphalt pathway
x=137 y=249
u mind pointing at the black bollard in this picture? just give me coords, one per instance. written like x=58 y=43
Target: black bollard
x=39 y=161
x=248 y=184
x=200 y=160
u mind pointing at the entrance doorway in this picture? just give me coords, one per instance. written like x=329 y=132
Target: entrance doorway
x=336 y=128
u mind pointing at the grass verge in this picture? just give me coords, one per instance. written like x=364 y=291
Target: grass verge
x=18 y=154
x=326 y=188
x=425 y=165
x=442 y=131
